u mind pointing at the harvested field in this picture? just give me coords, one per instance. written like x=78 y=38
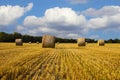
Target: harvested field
x=65 y=62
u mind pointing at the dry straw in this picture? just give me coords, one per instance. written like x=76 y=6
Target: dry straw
x=19 y=42
x=101 y=42
x=48 y=41
x=81 y=42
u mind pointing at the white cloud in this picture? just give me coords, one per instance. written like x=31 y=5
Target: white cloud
x=66 y=16
x=104 y=11
x=8 y=14
x=110 y=22
x=20 y=28
x=58 y=16
x=29 y=7
x=105 y=17
x=65 y=22
x=77 y=1
x=96 y=23
x=47 y=30
x=56 y=21
x=33 y=21
x=73 y=35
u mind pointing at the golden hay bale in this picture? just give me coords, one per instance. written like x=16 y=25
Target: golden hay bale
x=81 y=42
x=57 y=42
x=48 y=41
x=37 y=42
x=18 y=42
x=101 y=42
x=30 y=42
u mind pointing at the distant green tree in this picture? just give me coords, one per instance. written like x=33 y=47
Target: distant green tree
x=110 y=41
x=3 y=36
x=27 y=38
x=116 y=40
x=90 y=40
x=10 y=38
x=17 y=35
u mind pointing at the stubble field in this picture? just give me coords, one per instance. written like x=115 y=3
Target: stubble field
x=65 y=62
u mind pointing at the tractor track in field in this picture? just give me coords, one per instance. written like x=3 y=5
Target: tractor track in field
x=36 y=64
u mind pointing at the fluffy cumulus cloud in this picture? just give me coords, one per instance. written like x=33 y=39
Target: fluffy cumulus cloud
x=19 y=28
x=97 y=23
x=111 y=22
x=77 y=1
x=62 y=22
x=65 y=22
x=104 y=11
x=57 y=16
x=8 y=14
x=106 y=17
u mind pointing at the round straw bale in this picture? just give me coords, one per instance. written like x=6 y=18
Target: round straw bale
x=81 y=42
x=48 y=41
x=30 y=42
x=19 y=42
x=57 y=42
x=37 y=42
x=101 y=42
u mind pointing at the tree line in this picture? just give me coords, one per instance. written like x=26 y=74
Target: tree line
x=7 y=37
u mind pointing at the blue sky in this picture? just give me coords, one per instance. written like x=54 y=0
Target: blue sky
x=96 y=19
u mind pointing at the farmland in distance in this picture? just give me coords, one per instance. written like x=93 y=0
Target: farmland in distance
x=65 y=62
